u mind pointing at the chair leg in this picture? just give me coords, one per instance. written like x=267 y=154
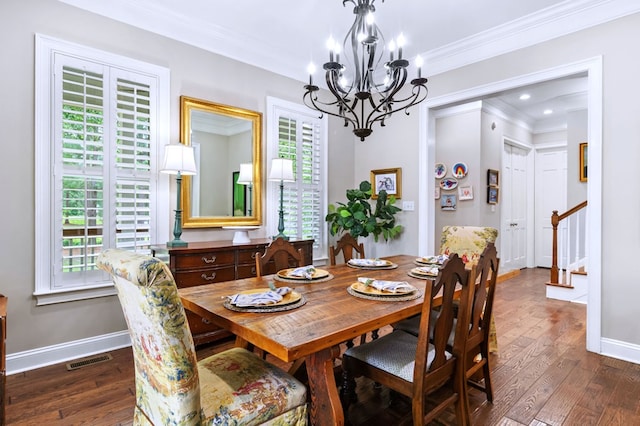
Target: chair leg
x=488 y=387
x=348 y=390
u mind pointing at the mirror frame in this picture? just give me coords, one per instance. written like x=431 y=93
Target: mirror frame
x=187 y=105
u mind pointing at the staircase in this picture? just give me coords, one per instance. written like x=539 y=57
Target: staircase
x=569 y=280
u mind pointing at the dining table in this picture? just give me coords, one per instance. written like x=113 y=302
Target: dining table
x=327 y=314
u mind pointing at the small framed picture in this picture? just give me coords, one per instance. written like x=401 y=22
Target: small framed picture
x=388 y=179
x=583 y=162
x=448 y=202
x=465 y=193
x=492 y=195
x=492 y=177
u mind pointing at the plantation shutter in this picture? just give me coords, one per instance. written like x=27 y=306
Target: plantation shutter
x=103 y=150
x=298 y=140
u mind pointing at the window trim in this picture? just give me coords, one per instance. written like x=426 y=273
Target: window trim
x=274 y=107
x=45 y=48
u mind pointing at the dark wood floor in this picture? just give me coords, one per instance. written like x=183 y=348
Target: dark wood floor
x=542 y=376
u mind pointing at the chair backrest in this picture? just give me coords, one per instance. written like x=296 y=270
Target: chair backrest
x=347 y=245
x=433 y=369
x=281 y=251
x=468 y=242
x=167 y=381
x=482 y=307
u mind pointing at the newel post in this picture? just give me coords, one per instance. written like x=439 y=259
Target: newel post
x=555 y=219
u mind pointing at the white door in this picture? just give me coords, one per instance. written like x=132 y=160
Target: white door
x=551 y=194
x=513 y=185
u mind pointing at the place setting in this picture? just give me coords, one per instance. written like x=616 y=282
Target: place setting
x=303 y=274
x=271 y=299
x=371 y=264
x=428 y=267
x=383 y=290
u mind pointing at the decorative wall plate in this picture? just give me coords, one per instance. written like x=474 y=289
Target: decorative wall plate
x=459 y=170
x=448 y=184
x=440 y=170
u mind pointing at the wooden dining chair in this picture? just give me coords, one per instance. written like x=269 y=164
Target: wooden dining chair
x=172 y=386
x=347 y=245
x=417 y=366
x=283 y=254
x=477 y=360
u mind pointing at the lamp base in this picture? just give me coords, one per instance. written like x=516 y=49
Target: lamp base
x=284 y=237
x=177 y=243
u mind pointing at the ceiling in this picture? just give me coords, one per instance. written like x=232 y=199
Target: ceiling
x=285 y=36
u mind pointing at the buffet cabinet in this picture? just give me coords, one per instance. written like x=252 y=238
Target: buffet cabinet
x=215 y=262
x=3 y=355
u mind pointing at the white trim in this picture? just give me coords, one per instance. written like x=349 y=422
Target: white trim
x=618 y=349
x=55 y=354
x=550 y=145
x=593 y=68
x=45 y=48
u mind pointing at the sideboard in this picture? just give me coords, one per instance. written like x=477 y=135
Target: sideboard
x=3 y=354
x=217 y=261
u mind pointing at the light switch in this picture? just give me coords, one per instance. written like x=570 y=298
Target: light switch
x=408 y=206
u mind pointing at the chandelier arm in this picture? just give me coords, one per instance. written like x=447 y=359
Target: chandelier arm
x=417 y=97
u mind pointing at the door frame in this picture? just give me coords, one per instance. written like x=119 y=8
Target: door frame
x=426 y=156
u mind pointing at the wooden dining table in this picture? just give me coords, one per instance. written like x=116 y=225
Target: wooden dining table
x=313 y=331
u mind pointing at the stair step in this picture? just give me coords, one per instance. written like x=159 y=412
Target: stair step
x=559 y=285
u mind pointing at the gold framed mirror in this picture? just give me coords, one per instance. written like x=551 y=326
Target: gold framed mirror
x=224 y=138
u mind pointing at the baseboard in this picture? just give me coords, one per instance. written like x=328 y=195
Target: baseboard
x=48 y=355
x=620 y=350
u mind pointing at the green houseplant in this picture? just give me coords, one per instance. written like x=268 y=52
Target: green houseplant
x=360 y=218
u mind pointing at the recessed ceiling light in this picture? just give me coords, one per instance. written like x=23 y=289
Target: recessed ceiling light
x=548 y=111
x=525 y=96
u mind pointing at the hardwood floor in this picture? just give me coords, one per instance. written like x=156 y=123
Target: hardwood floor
x=542 y=376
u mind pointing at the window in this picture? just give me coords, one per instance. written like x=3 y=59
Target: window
x=296 y=133
x=97 y=139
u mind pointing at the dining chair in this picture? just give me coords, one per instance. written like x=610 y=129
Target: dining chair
x=417 y=366
x=468 y=242
x=172 y=386
x=282 y=253
x=477 y=358
x=347 y=245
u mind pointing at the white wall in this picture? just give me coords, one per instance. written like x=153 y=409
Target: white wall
x=576 y=134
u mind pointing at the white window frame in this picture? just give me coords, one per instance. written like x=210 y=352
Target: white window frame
x=275 y=108
x=46 y=48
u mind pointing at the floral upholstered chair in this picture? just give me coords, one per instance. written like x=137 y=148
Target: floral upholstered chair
x=234 y=387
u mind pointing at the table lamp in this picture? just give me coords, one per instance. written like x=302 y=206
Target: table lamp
x=281 y=170
x=178 y=160
x=246 y=178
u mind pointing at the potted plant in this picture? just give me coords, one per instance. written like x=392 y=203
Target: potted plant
x=360 y=219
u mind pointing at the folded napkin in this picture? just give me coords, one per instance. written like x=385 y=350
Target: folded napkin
x=439 y=259
x=303 y=272
x=263 y=298
x=368 y=262
x=429 y=270
x=390 y=286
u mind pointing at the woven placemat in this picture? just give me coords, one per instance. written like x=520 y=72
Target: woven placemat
x=373 y=268
x=422 y=277
x=299 y=281
x=266 y=308
x=416 y=294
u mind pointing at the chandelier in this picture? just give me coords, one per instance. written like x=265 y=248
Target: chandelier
x=365 y=89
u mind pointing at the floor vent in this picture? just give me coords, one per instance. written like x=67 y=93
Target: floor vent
x=88 y=361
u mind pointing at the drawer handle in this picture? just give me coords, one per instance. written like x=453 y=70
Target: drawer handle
x=253 y=271
x=209 y=278
x=210 y=260
x=253 y=256
x=205 y=321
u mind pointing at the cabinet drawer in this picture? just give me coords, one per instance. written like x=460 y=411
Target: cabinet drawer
x=246 y=271
x=205 y=276
x=248 y=257
x=204 y=260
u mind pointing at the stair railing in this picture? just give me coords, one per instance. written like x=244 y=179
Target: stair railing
x=572 y=243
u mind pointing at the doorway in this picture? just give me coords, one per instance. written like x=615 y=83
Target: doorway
x=514 y=210
x=593 y=69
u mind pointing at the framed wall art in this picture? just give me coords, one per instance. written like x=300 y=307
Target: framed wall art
x=465 y=193
x=583 y=162
x=492 y=177
x=492 y=195
x=388 y=179
x=448 y=202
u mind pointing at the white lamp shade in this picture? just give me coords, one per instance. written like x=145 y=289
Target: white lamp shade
x=282 y=170
x=246 y=174
x=179 y=158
